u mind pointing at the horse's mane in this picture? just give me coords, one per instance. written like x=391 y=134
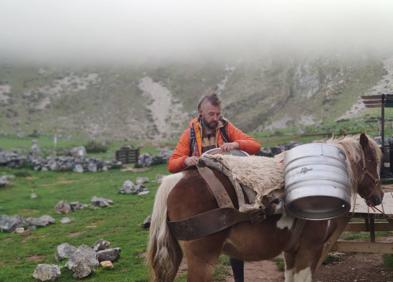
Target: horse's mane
x=353 y=152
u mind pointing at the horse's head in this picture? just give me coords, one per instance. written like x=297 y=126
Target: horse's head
x=369 y=183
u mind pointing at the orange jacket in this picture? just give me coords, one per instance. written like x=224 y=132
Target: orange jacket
x=183 y=150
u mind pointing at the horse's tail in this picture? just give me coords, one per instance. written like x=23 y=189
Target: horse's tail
x=164 y=252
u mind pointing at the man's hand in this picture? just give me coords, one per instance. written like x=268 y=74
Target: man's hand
x=226 y=147
x=191 y=161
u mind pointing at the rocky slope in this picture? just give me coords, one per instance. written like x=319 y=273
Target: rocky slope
x=157 y=102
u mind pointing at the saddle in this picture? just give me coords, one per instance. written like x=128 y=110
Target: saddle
x=258 y=196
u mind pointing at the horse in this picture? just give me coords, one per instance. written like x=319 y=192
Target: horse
x=186 y=194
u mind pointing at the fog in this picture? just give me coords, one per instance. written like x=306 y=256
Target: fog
x=124 y=31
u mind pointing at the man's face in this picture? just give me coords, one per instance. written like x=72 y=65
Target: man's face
x=210 y=114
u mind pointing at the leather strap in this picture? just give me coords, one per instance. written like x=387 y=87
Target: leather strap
x=211 y=222
x=216 y=187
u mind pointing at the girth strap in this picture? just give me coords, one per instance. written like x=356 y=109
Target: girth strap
x=216 y=187
x=211 y=222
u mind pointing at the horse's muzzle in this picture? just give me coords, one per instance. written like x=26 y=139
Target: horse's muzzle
x=375 y=200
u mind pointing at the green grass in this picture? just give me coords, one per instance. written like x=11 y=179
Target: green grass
x=120 y=224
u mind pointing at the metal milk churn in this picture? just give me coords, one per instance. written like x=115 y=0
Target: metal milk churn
x=317 y=184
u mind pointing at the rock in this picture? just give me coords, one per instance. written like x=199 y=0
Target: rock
x=101 y=245
x=101 y=202
x=33 y=196
x=78 y=168
x=19 y=230
x=3 y=181
x=146 y=222
x=128 y=188
x=159 y=178
x=40 y=221
x=82 y=262
x=47 y=272
x=65 y=220
x=64 y=251
x=77 y=206
x=142 y=180
x=145 y=192
x=63 y=207
x=78 y=152
x=92 y=167
x=10 y=223
x=106 y=264
x=108 y=254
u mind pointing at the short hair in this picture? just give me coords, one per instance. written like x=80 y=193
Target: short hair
x=211 y=97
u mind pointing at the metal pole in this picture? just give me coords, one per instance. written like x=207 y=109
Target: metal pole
x=383 y=122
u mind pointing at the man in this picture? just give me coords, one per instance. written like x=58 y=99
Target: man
x=210 y=130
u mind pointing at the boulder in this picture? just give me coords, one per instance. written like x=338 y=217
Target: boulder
x=101 y=245
x=109 y=254
x=101 y=202
x=64 y=251
x=83 y=262
x=40 y=221
x=63 y=207
x=10 y=223
x=47 y=272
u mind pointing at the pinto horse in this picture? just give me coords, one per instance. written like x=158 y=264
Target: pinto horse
x=186 y=194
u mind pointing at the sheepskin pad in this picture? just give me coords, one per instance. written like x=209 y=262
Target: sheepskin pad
x=260 y=174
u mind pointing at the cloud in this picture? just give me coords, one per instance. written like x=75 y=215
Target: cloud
x=130 y=31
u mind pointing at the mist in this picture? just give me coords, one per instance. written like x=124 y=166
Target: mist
x=127 y=32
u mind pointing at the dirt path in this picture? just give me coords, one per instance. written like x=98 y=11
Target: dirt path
x=349 y=268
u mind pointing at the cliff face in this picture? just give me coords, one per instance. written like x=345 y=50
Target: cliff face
x=157 y=102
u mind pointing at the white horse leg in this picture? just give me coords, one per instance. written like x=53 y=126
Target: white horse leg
x=303 y=275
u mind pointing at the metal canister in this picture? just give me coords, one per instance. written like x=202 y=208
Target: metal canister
x=317 y=184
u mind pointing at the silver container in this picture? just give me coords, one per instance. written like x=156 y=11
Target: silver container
x=317 y=184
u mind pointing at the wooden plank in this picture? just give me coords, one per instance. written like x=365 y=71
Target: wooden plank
x=363 y=247
x=359 y=227
x=373 y=106
x=367 y=97
x=359 y=206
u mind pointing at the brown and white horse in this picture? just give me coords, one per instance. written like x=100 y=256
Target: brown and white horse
x=185 y=194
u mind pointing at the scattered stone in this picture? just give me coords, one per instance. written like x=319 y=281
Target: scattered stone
x=109 y=254
x=143 y=193
x=146 y=222
x=63 y=207
x=65 y=220
x=3 y=181
x=47 y=272
x=78 y=152
x=101 y=202
x=40 y=221
x=78 y=168
x=159 y=178
x=10 y=223
x=128 y=188
x=82 y=262
x=106 y=264
x=64 y=251
x=101 y=245
x=77 y=206
x=142 y=180
x=19 y=230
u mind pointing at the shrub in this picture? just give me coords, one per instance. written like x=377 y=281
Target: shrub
x=96 y=147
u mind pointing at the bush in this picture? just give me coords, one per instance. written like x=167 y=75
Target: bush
x=96 y=147
x=22 y=173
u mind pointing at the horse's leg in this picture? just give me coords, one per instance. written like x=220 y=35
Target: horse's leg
x=301 y=261
x=202 y=256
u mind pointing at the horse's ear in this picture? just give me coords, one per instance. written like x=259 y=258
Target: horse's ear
x=363 y=140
